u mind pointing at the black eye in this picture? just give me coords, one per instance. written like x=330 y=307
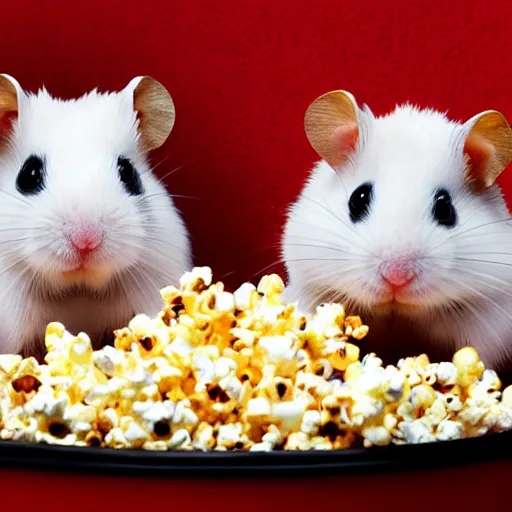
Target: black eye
x=359 y=202
x=443 y=210
x=129 y=177
x=30 y=179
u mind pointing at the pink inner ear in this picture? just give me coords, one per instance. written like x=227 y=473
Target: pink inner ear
x=6 y=120
x=479 y=152
x=345 y=138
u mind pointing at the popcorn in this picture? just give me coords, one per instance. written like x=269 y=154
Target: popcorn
x=378 y=436
x=231 y=436
x=417 y=431
x=219 y=371
x=204 y=438
x=298 y=441
x=180 y=440
x=278 y=347
x=258 y=409
x=197 y=279
x=469 y=366
x=422 y=396
x=446 y=374
x=160 y=446
x=449 y=429
x=80 y=417
x=135 y=434
x=9 y=363
x=288 y=415
x=245 y=296
x=116 y=439
x=224 y=301
x=310 y=422
x=506 y=396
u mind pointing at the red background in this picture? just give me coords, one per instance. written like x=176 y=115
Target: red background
x=242 y=73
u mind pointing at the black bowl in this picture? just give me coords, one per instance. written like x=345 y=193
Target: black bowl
x=486 y=448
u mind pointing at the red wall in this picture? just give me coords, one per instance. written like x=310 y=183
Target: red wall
x=242 y=73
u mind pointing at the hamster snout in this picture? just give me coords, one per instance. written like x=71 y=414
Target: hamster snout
x=84 y=258
x=85 y=239
x=399 y=272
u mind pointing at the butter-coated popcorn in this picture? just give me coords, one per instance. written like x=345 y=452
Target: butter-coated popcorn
x=180 y=440
x=449 y=429
x=506 y=397
x=222 y=371
x=378 y=436
x=446 y=374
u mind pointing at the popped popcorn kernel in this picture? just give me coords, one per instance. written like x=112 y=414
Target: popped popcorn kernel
x=219 y=371
x=378 y=436
x=271 y=285
x=298 y=441
x=446 y=374
x=9 y=363
x=196 y=280
x=245 y=296
x=506 y=396
x=360 y=332
x=469 y=366
x=449 y=429
x=422 y=396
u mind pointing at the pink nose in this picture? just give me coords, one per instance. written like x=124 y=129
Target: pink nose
x=86 y=239
x=399 y=272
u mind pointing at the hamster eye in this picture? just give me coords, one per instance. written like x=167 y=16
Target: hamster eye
x=129 y=177
x=359 y=202
x=30 y=179
x=443 y=210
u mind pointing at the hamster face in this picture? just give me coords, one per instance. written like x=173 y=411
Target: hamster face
x=397 y=228
x=81 y=206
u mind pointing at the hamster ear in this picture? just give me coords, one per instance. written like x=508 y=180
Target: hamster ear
x=488 y=147
x=155 y=111
x=331 y=126
x=10 y=90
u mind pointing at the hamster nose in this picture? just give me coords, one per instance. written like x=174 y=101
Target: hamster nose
x=85 y=239
x=398 y=273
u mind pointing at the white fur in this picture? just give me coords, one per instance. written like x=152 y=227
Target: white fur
x=146 y=244
x=408 y=154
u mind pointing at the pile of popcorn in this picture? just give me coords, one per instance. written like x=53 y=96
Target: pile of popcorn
x=242 y=371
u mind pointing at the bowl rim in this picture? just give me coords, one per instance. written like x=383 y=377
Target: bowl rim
x=485 y=448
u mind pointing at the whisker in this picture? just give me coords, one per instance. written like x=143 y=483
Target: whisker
x=171 y=172
x=490 y=252
x=14 y=240
x=158 y=164
x=480 y=226
x=477 y=235
x=469 y=246
x=339 y=219
x=167 y=194
x=477 y=292
x=5 y=230
x=17 y=198
x=472 y=260
x=344 y=247
x=327 y=247
x=472 y=274
x=21 y=260
x=227 y=274
x=470 y=306
x=320 y=228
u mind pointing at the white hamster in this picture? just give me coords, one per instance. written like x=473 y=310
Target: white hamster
x=402 y=220
x=88 y=234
